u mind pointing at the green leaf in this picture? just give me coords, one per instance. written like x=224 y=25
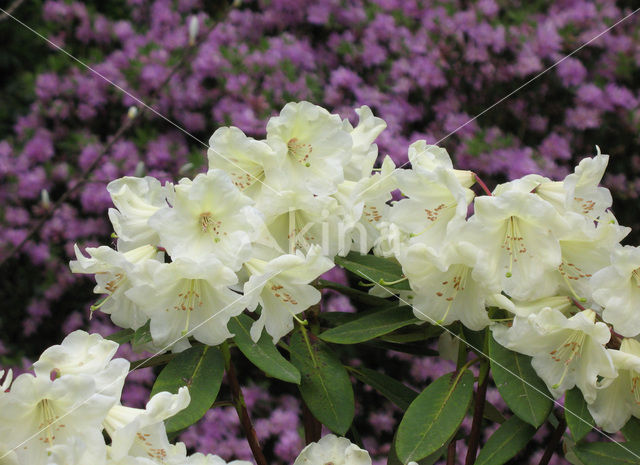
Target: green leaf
x=325 y=385
x=609 y=453
x=492 y=413
x=353 y=294
x=393 y=390
x=577 y=414
x=121 y=337
x=371 y=326
x=374 y=269
x=519 y=385
x=262 y=354
x=414 y=349
x=415 y=334
x=512 y=436
x=200 y=368
x=434 y=416
x=631 y=430
x=392 y=458
x=141 y=336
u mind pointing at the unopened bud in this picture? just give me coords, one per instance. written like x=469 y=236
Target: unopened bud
x=140 y=169
x=133 y=112
x=193 y=29
x=44 y=198
x=185 y=168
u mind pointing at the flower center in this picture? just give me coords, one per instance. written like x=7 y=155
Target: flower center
x=245 y=179
x=299 y=152
x=188 y=300
x=635 y=386
x=450 y=288
x=513 y=243
x=47 y=426
x=570 y=349
x=284 y=296
x=208 y=224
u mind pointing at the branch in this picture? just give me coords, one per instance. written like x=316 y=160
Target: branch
x=451 y=452
x=10 y=9
x=554 y=441
x=312 y=427
x=478 y=413
x=241 y=408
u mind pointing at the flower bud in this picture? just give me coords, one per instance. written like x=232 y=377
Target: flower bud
x=140 y=170
x=44 y=198
x=133 y=112
x=185 y=168
x=193 y=29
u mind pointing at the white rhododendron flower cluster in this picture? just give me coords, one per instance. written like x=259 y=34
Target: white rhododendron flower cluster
x=253 y=232
x=60 y=414
x=269 y=217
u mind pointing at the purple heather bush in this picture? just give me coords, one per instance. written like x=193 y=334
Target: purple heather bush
x=426 y=68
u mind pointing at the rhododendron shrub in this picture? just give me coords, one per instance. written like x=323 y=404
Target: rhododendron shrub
x=425 y=69
x=526 y=287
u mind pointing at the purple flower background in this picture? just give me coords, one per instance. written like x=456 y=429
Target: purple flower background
x=427 y=68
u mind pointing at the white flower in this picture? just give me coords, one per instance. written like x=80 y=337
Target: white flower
x=209 y=459
x=84 y=353
x=136 y=200
x=618 y=398
x=141 y=433
x=281 y=287
x=7 y=380
x=391 y=240
x=363 y=152
x=242 y=157
x=559 y=303
x=450 y=286
x=365 y=207
x=334 y=450
x=520 y=233
x=566 y=352
x=115 y=273
x=617 y=289
x=187 y=296
x=312 y=146
x=39 y=413
x=297 y=220
x=209 y=216
x=438 y=195
x=586 y=248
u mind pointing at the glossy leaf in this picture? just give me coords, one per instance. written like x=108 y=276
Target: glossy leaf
x=325 y=385
x=392 y=457
x=393 y=390
x=121 y=337
x=577 y=414
x=371 y=326
x=141 y=336
x=631 y=430
x=519 y=385
x=434 y=417
x=374 y=269
x=609 y=453
x=200 y=368
x=263 y=353
x=492 y=413
x=512 y=436
x=353 y=294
